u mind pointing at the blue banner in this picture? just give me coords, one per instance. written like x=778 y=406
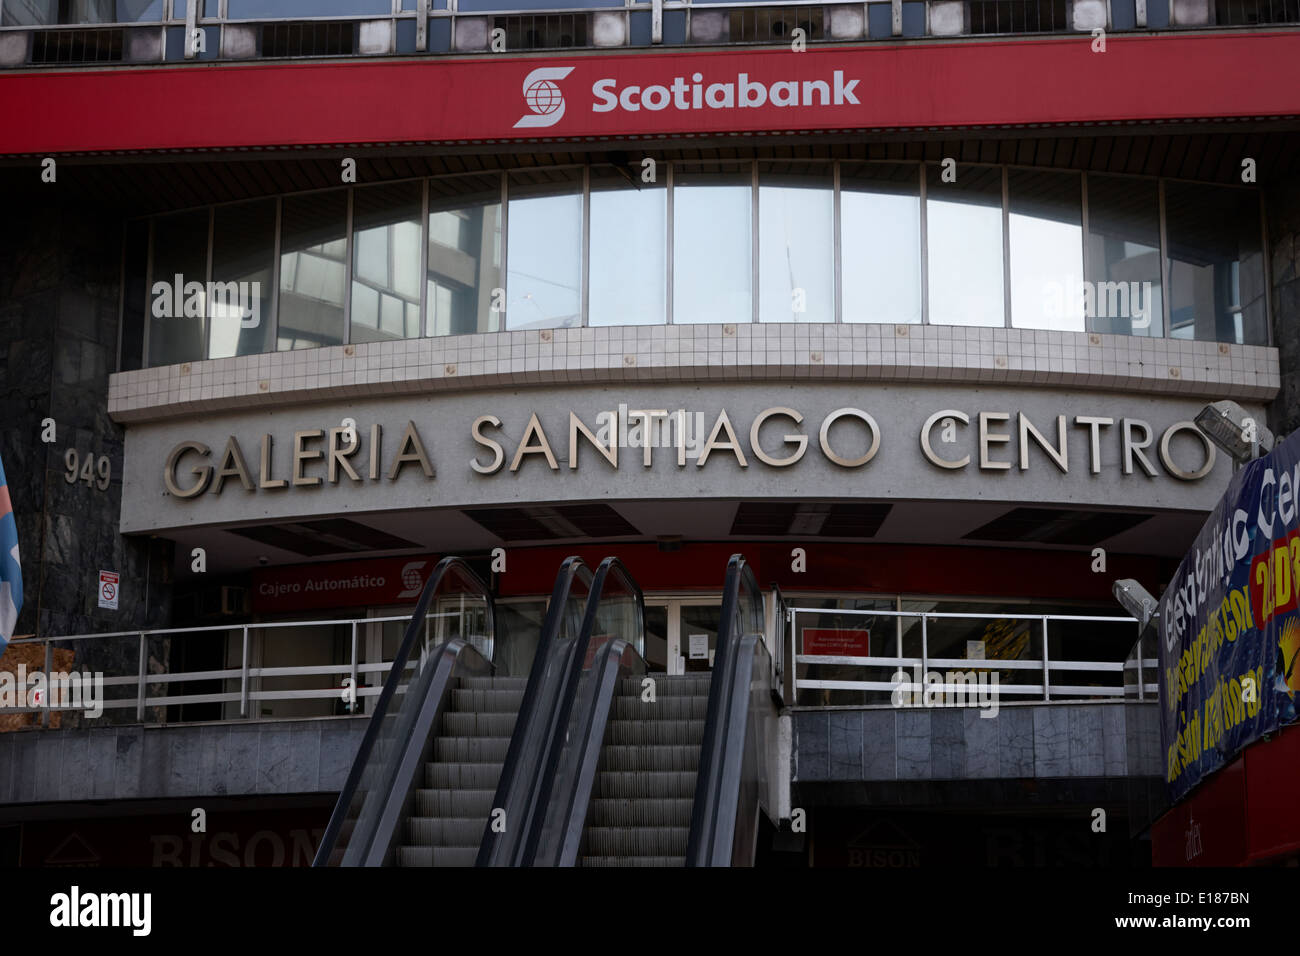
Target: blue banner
x=1229 y=626
x=11 y=573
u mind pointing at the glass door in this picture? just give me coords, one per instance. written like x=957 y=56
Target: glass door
x=681 y=634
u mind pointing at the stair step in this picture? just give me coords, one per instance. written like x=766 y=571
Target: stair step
x=627 y=707
x=632 y=861
x=637 y=841
x=436 y=856
x=622 y=757
x=494 y=683
x=445 y=831
x=675 y=685
x=641 y=812
x=462 y=776
x=651 y=732
x=487 y=701
x=622 y=785
x=470 y=724
x=448 y=802
x=472 y=749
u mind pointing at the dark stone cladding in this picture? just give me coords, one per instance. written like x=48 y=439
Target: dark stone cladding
x=60 y=274
x=1282 y=209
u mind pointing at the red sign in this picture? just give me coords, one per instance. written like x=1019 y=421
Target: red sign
x=341 y=584
x=836 y=642
x=677 y=93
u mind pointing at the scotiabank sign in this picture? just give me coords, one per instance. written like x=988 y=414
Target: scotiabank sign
x=341 y=584
x=638 y=94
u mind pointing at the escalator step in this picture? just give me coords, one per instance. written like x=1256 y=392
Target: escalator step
x=649 y=732
x=472 y=749
x=445 y=831
x=474 y=804
x=633 y=861
x=662 y=708
x=615 y=785
x=642 y=812
x=456 y=724
x=436 y=856
x=494 y=683
x=618 y=757
x=675 y=685
x=637 y=841
x=462 y=776
x=487 y=701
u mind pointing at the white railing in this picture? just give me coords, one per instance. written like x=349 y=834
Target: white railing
x=150 y=681
x=1119 y=678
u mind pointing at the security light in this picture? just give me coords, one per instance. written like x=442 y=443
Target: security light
x=1234 y=430
x=1135 y=599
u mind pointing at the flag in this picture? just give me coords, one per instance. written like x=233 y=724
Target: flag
x=11 y=573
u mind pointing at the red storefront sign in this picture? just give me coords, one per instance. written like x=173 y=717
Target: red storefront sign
x=836 y=642
x=366 y=583
x=677 y=93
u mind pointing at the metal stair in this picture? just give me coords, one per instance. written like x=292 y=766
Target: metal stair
x=453 y=808
x=645 y=784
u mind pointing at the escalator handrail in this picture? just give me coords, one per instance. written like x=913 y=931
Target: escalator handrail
x=517 y=789
x=712 y=823
x=396 y=674
x=595 y=698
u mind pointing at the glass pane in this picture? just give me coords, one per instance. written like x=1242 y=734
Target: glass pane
x=1216 y=268
x=518 y=630
x=880 y=242
x=544 y=250
x=711 y=244
x=298 y=9
x=964 y=233
x=179 y=297
x=243 y=251
x=1124 y=256
x=313 y=251
x=656 y=639
x=385 y=262
x=629 y=249
x=699 y=636
x=134 y=295
x=42 y=12
x=1045 y=226
x=464 y=267
x=796 y=244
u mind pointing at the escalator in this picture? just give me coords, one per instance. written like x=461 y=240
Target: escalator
x=590 y=761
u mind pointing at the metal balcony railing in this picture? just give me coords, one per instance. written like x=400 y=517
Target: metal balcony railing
x=1017 y=651
x=416 y=27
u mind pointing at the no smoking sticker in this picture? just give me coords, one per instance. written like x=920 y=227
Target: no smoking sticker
x=108 y=583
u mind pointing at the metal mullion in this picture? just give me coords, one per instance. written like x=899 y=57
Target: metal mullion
x=1167 y=329
x=148 y=292
x=836 y=251
x=425 y=332
x=668 y=239
x=275 y=277
x=753 y=243
x=207 y=287
x=925 y=250
x=585 y=267
x=1083 y=206
x=347 y=274
x=1006 y=248
x=505 y=241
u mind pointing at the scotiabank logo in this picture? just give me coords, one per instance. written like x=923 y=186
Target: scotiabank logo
x=543 y=97
x=740 y=94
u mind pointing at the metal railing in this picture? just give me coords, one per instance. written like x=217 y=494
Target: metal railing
x=144 y=691
x=1030 y=670
x=632 y=24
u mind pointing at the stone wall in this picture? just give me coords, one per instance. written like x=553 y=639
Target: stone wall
x=59 y=291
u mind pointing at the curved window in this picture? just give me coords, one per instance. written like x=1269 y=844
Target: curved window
x=694 y=242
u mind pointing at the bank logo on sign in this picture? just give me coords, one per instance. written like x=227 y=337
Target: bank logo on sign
x=412 y=579
x=544 y=97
